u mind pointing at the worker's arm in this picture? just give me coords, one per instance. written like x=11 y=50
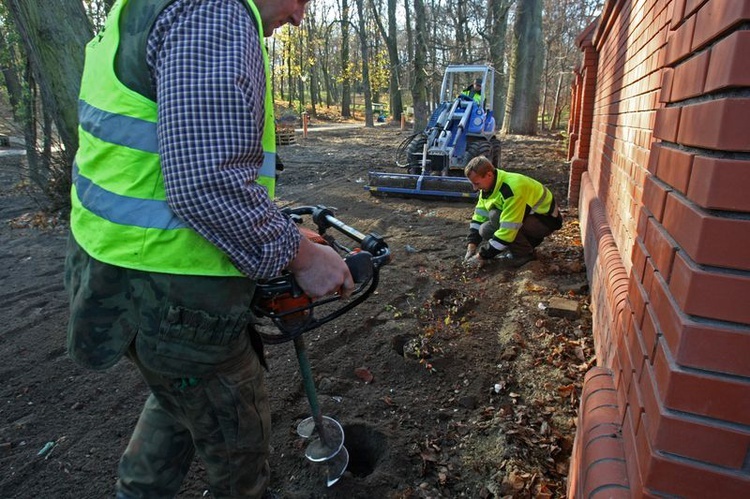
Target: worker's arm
x=510 y=222
x=210 y=124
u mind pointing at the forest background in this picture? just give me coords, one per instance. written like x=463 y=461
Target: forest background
x=349 y=57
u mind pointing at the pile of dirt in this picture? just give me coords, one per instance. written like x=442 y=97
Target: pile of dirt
x=448 y=381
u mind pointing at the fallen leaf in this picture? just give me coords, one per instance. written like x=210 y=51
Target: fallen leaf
x=566 y=390
x=364 y=374
x=429 y=455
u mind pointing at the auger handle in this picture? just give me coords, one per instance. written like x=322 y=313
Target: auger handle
x=324 y=218
x=360 y=265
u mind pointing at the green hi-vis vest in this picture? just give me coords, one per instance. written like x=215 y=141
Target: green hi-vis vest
x=119 y=210
x=514 y=195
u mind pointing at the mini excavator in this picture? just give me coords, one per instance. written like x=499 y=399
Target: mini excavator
x=459 y=129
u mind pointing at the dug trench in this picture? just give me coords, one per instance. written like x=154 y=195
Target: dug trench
x=448 y=381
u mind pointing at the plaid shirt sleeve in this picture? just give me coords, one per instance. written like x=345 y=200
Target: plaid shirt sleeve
x=207 y=70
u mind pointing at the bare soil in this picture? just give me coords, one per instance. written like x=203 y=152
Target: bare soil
x=449 y=382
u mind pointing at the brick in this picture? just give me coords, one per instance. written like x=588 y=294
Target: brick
x=630 y=444
x=708 y=239
x=636 y=349
x=710 y=346
x=562 y=307
x=665 y=94
x=638 y=260
x=674 y=167
x=643 y=216
x=638 y=299
x=650 y=331
x=648 y=276
x=690 y=77
x=718 y=17
x=678 y=13
x=635 y=403
x=660 y=248
x=707 y=294
x=693 y=392
x=597 y=392
x=605 y=475
x=679 y=41
x=667 y=123
x=673 y=478
x=612 y=492
x=654 y=196
x=616 y=369
x=728 y=67
x=607 y=446
x=637 y=449
x=719 y=125
x=602 y=414
x=627 y=374
x=710 y=441
x=719 y=184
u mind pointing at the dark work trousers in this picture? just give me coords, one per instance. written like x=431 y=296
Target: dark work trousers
x=533 y=231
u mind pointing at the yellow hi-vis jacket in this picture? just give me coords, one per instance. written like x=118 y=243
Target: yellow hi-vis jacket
x=120 y=214
x=515 y=196
x=474 y=95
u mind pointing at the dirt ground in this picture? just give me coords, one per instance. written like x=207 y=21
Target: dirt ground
x=449 y=382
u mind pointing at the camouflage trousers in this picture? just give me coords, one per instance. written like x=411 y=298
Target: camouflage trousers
x=224 y=418
x=191 y=338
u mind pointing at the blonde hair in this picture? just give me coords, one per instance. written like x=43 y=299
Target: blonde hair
x=480 y=165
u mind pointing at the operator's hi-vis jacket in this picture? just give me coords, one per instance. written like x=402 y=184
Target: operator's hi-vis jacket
x=120 y=214
x=474 y=95
x=514 y=196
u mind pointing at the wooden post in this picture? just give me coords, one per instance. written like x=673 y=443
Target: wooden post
x=403 y=121
x=304 y=125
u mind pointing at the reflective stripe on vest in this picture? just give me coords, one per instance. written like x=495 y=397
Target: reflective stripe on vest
x=538 y=204
x=119 y=210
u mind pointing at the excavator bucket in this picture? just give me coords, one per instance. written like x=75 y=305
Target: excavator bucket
x=420 y=186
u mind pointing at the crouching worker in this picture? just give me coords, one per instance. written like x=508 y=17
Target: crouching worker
x=513 y=215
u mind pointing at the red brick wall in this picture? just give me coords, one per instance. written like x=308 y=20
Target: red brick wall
x=660 y=170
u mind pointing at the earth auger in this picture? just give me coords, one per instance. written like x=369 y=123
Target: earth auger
x=293 y=313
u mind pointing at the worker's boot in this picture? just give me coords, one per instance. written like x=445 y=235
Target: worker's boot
x=510 y=261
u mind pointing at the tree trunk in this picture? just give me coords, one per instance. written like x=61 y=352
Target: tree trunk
x=54 y=33
x=390 y=35
x=462 y=54
x=556 y=114
x=36 y=175
x=525 y=70
x=346 y=90
x=311 y=30
x=497 y=29
x=545 y=88
x=11 y=78
x=419 y=89
x=365 y=65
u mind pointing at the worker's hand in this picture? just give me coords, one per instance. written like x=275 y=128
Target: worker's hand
x=320 y=271
x=475 y=261
x=471 y=250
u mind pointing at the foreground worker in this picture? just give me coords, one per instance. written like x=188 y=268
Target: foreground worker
x=513 y=215
x=172 y=221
